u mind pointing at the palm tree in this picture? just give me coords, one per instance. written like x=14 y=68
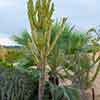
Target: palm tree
x=74 y=58
x=26 y=56
x=67 y=45
x=80 y=62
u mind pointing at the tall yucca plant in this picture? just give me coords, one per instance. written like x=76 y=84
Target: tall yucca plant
x=40 y=17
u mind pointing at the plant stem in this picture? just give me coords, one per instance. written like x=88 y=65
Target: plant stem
x=42 y=78
x=41 y=83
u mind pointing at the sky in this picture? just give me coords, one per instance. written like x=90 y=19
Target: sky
x=13 y=15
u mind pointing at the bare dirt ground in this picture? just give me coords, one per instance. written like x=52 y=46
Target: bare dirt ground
x=96 y=87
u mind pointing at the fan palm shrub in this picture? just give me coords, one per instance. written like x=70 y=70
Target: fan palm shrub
x=80 y=63
x=22 y=39
x=77 y=51
x=26 y=59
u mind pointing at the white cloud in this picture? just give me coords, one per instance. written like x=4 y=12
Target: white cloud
x=6 y=41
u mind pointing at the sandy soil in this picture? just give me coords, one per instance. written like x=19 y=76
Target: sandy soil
x=96 y=87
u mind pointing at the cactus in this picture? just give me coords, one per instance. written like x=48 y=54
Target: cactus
x=15 y=85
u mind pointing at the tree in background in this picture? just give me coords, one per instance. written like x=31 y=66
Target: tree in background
x=3 y=53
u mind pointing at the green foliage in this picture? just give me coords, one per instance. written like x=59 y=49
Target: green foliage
x=65 y=93
x=80 y=63
x=40 y=17
x=15 y=85
x=76 y=51
x=40 y=14
x=6 y=64
x=22 y=39
x=14 y=54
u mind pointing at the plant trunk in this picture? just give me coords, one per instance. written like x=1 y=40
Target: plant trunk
x=93 y=94
x=42 y=81
x=41 y=86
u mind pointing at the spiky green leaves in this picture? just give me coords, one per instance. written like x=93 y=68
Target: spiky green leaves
x=40 y=17
x=40 y=14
